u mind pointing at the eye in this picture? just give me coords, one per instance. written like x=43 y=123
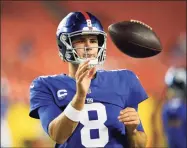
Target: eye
x=78 y=42
x=94 y=41
x=81 y=41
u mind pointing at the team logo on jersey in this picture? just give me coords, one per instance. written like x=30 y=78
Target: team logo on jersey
x=89 y=100
x=61 y=94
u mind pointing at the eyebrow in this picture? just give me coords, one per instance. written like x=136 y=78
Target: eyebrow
x=84 y=37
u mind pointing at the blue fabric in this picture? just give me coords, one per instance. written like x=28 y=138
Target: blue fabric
x=111 y=92
x=48 y=114
x=175 y=111
x=92 y=115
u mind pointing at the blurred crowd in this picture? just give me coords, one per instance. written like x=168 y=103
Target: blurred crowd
x=29 y=49
x=17 y=129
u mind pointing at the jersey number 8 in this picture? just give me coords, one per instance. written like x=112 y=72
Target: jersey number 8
x=94 y=124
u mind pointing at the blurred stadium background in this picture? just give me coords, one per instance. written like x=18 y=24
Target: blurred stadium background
x=28 y=50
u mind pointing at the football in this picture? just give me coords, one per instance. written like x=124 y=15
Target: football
x=135 y=39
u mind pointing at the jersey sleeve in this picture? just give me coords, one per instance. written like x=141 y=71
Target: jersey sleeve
x=42 y=105
x=137 y=93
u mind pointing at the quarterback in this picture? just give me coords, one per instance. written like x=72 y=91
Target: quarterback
x=88 y=107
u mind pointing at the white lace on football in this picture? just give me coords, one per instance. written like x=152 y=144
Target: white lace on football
x=139 y=22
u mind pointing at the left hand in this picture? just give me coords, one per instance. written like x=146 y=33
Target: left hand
x=129 y=116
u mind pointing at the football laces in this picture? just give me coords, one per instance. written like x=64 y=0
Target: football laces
x=139 y=22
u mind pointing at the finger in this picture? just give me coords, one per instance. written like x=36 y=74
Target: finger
x=82 y=64
x=132 y=123
x=123 y=115
x=82 y=70
x=128 y=109
x=83 y=75
x=92 y=72
x=127 y=119
x=128 y=114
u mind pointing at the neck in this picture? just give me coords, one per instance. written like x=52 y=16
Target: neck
x=72 y=70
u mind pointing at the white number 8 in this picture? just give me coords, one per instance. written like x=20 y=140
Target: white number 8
x=94 y=124
x=89 y=23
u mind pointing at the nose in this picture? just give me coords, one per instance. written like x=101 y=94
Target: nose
x=88 y=45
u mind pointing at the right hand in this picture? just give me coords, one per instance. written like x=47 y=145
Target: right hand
x=83 y=78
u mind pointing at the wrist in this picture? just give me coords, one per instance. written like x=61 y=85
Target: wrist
x=131 y=131
x=72 y=113
x=78 y=102
x=80 y=96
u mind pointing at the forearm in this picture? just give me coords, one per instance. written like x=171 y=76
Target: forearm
x=61 y=128
x=136 y=139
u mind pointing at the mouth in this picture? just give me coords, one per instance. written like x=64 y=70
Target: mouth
x=90 y=56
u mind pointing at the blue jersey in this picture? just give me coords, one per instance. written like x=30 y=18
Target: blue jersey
x=109 y=93
x=174 y=121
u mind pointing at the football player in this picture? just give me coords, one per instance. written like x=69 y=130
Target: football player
x=88 y=107
x=174 y=109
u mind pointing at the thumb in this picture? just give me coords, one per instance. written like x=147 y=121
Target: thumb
x=92 y=72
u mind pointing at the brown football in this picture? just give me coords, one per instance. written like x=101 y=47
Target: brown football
x=135 y=38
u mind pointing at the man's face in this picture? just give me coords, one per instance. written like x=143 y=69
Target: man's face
x=88 y=41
